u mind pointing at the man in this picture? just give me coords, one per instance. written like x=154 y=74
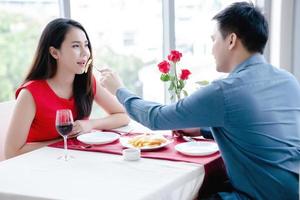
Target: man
x=254 y=113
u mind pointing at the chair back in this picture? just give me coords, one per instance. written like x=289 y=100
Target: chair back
x=6 y=110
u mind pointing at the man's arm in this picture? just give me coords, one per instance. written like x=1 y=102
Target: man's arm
x=204 y=108
x=193 y=132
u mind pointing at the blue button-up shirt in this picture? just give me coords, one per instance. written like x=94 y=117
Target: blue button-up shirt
x=254 y=115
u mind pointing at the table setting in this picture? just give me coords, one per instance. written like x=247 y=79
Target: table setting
x=201 y=151
x=101 y=159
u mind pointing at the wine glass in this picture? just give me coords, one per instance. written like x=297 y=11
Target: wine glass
x=64 y=124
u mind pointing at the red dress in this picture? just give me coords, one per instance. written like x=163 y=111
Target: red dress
x=46 y=103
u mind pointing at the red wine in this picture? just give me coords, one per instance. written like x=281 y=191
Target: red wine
x=64 y=129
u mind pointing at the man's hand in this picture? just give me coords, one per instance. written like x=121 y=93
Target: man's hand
x=187 y=132
x=110 y=80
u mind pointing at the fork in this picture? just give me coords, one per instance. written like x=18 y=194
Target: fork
x=86 y=146
x=188 y=139
x=123 y=133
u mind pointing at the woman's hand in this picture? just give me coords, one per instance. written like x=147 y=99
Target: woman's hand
x=80 y=126
x=110 y=80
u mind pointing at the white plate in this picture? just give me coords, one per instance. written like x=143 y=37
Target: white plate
x=199 y=148
x=98 y=137
x=124 y=142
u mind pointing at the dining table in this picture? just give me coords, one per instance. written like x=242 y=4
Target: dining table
x=101 y=174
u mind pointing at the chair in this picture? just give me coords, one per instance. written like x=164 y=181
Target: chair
x=6 y=110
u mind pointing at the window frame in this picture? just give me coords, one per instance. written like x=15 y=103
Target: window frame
x=285 y=46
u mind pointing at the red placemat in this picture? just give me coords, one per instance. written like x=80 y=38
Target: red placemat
x=165 y=153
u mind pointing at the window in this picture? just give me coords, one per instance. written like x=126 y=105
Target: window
x=193 y=29
x=126 y=36
x=20 y=29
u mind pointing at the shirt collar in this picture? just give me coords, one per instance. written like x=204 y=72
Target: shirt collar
x=254 y=59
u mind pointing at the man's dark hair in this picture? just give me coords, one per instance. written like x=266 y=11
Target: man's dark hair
x=247 y=22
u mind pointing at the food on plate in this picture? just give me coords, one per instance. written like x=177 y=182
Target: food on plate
x=147 y=140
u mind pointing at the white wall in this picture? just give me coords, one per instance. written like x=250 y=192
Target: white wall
x=284 y=39
x=296 y=40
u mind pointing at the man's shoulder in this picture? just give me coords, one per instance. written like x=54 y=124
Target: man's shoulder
x=226 y=82
x=257 y=72
x=258 y=75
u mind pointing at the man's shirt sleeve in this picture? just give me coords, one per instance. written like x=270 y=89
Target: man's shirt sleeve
x=204 y=107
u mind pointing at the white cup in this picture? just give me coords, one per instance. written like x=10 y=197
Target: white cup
x=131 y=154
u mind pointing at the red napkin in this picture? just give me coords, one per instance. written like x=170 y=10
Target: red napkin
x=166 y=153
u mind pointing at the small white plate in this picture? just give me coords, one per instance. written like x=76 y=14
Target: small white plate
x=98 y=137
x=199 y=148
x=124 y=142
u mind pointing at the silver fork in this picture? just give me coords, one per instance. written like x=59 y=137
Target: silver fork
x=123 y=133
x=86 y=146
x=188 y=139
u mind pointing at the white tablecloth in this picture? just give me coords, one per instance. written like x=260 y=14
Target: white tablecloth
x=40 y=175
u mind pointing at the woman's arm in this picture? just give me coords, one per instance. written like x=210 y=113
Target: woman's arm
x=17 y=133
x=116 y=118
x=117 y=115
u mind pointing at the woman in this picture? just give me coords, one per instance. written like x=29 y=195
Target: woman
x=57 y=80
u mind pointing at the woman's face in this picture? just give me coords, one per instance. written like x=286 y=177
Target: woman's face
x=74 y=52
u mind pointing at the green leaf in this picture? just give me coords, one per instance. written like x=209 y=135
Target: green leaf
x=202 y=83
x=165 y=77
x=185 y=93
x=181 y=84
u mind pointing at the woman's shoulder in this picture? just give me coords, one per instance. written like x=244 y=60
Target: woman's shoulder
x=32 y=86
x=34 y=83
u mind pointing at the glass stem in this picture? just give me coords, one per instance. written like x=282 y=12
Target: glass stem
x=65 y=147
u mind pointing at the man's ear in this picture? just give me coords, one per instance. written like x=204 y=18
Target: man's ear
x=232 y=40
x=54 y=52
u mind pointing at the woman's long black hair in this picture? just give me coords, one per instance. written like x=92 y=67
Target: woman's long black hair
x=44 y=66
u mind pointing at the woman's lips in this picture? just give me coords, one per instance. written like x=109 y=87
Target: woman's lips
x=81 y=64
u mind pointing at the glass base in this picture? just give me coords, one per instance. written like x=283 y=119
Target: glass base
x=66 y=157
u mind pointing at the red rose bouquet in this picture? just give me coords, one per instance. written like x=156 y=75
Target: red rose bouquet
x=169 y=73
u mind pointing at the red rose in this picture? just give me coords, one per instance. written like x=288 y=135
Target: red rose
x=185 y=74
x=169 y=73
x=164 y=67
x=174 y=56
